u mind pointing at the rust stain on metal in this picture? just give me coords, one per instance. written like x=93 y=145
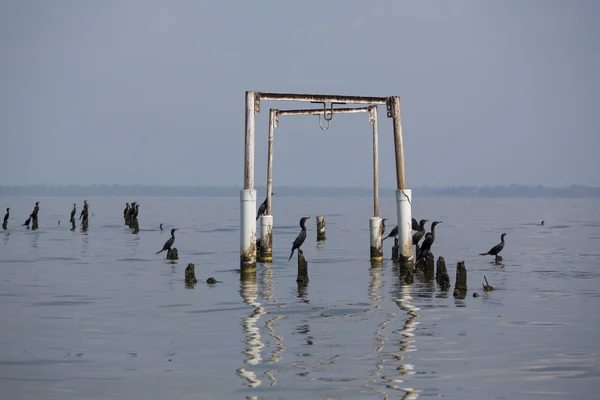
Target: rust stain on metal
x=322 y=98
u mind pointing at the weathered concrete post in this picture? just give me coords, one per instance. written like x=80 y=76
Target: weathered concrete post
x=321 y=235
x=302 y=268
x=375 y=235
x=403 y=195
x=265 y=251
x=460 y=287
x=248 y=195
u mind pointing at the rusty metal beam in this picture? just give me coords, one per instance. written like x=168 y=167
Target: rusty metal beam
x=315 y=111
x=321 y=98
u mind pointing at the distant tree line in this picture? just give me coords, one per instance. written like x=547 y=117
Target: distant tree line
x=227 y=191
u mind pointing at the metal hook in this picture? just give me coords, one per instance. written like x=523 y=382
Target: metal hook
x=321 y=123
x=330 y=112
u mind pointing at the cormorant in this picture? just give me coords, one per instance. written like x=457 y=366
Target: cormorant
x=73 y=213
x=497 y=248
x=136 y=211
x=27 y=221
x=262 y=209
x=429 y=238
x=131 y=209
x=168 y=243
x=126 y=210
x=161 y=227
x=36 y=209
x=415 y=225
x=383 y=226
x=7 y=215
x=542 y=224
x=393 y=233
x=84 y=209
x=300 y=238
x=418 y=235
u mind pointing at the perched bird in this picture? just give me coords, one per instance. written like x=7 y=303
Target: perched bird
x=418 y=235
x=126 y=210
x=429 y=239
x=168 y=243
x=393 y=233
x=161 y=227
x=27 y=221
x=137 y=210
x=73 y=213
x=415 y=225
x=300 y=238
x=497 y=248
x=542 y=224
x=6 y=215
x=262 y=209
x=383 y=226
x=84 y=210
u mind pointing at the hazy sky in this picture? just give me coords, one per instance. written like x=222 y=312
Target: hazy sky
x=152 y=92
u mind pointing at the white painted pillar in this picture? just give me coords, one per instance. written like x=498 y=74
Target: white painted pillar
x=375 y=235
x=248 y=229
x=403 y=204
x=266 y=238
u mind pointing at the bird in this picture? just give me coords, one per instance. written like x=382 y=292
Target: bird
x=73 y=213
x=496 y=249
x=168 y=243
x=383 y=226
x=7 y=215
x=415 y=225
x=126 y=210
x=429 y=239
x=393 y=233
x=27 y=221
x=300 y=238
x=418 y=235
x=262 y=209
x=542 y=224
x=137 y=210
x=84 y=209
x=161 y=227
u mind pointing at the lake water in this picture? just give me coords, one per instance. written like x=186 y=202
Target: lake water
x=101 y=316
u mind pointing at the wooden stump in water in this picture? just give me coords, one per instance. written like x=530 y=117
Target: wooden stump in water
x=441 y=274
x=190 y=275
x=429 y=267
x=84 y=225
x=302 y=268
x=460 y=287
x=135 y=225
x=34 y=224
x=498 y=259
x=5 y=225
x=172 y=254
x=321 y=236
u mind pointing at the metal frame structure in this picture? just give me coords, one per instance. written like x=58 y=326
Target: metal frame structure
x=248 y=194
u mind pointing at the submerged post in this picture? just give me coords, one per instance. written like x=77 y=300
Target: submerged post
x=403 y=195
x=321 y=235
x=248 y=195
x=375 y=235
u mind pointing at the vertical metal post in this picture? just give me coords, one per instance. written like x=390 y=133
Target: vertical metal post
x=373 y=121
x=248 y=195
x=265 y=251
x=403 y=195
x=272 y=124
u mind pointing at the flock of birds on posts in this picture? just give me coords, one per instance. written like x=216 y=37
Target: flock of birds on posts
x=131 y=211
x=419 y=227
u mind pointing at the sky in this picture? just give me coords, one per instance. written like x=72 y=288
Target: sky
x=152 y=92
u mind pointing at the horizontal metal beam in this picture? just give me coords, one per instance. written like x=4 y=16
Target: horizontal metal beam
x=321 y=111
x=321 y=98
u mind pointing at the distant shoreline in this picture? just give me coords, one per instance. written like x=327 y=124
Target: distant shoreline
x=510 y=191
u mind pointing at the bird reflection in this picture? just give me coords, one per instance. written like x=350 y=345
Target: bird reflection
x=248 y=291
x=6 y=237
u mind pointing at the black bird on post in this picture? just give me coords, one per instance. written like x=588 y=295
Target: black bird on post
x=393 y=233
x=168 y=243
x=300 y=238
x=136 y=211
x=5 y=222
x=429 y=239
x=496 y=249
x=73 y=213
x=126 y=210
x=262 y=209
x=418 y=235
x=36 y=209
x=383 y=226
x=415 y=225
x=84 y=210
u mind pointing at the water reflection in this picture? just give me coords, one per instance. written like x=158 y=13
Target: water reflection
x=407 y=343
x=35 y=243
x=6 y=237
x=248 y=291
x=267 y=290
x=85 y=243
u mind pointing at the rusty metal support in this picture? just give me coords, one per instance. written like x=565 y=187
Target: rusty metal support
x=373 y=121
x=321 y=98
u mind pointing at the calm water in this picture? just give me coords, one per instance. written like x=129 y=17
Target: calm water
x=101 y=316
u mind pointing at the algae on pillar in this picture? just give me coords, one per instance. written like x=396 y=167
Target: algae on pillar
x=321 y=235
x=264 y=245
